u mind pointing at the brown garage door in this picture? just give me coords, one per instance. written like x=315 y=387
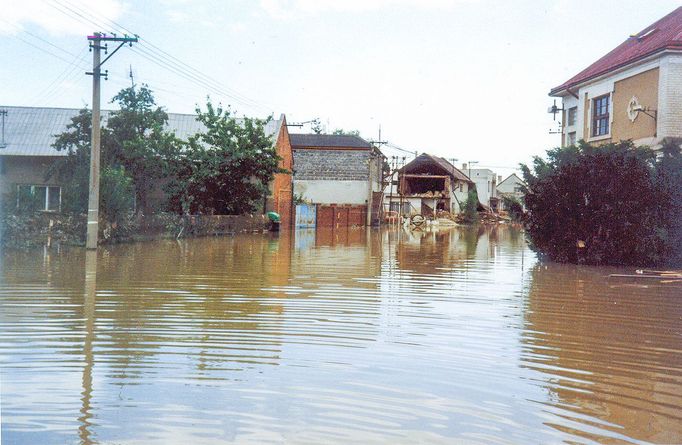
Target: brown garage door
x=340 y=216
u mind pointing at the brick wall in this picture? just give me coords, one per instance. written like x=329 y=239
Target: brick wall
x=281 y=194
x=339 y=165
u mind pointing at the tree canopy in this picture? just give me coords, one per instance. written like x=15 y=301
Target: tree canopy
x=226 y=168
x=604 y=204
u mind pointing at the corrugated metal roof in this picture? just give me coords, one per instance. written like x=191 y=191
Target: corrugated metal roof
x=328 y=140
x=30 y=131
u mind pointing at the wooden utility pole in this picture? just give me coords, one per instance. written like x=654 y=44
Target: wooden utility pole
x=93 y=192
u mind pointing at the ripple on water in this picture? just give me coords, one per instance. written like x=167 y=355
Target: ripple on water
x=360 y=337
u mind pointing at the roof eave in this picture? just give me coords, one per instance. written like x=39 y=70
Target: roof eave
x=563 y=90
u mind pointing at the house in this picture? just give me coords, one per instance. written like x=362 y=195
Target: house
x=26 y=154
x=633 y=92
x=339 y=174
x=427 y=184
x=486 y=185
x=512 y=186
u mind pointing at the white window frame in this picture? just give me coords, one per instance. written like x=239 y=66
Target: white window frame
x=590 y=111
x=46 y=204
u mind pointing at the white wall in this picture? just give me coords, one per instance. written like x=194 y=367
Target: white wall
x=320 y=191
x=510 y=185
x=669 y=123
x=485 y=181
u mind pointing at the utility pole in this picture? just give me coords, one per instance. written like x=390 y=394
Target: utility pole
x=132 y=79
x=93 y=192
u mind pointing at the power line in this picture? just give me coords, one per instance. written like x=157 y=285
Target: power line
x=165 y=55
x=159 y=57
x=43 y=49
x=65 y=75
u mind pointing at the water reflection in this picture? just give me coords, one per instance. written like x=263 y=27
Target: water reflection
x=333 y=336
x=612 y=354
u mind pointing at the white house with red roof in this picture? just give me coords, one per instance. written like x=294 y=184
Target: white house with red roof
x=633 y=92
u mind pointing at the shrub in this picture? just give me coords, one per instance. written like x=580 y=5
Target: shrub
x=470 y=207
x=513 y=207
x=600 y=205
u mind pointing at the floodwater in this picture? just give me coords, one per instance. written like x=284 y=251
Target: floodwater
x=353 y=336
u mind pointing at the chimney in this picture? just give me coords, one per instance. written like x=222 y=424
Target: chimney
x=464 y=165
x=499 y=179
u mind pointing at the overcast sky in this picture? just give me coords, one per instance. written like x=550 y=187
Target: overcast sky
x=465 y=79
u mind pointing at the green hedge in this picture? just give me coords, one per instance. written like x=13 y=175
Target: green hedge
x=610 y=204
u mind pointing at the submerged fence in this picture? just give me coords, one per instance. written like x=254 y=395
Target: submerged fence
x=46 y=228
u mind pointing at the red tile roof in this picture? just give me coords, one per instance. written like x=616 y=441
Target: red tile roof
x=666 y=33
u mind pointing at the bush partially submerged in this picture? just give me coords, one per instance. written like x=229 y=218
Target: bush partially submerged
x=610 y=204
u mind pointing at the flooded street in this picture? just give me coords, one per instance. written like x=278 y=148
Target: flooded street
x=354 y=336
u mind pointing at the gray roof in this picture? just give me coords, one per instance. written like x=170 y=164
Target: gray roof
x=30 y=131
x=328 y=140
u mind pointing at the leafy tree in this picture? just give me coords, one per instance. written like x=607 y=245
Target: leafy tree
x=597 y=205
x=470 y=207
x=138 y=142
x=316 y=126
x=342 y=132
x=134 y=147
x=73 y=171
x=513 y=206
x=226 y=168
x=669 y=180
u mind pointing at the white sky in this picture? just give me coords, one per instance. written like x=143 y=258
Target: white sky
x=465 y=79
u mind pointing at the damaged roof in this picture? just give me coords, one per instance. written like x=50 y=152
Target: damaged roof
x=429 y=164
x=665 y=34
x=31 y=131
x=328 y=141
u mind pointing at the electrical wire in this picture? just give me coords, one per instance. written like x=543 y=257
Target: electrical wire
x=167 y=56
x=159 y=57
x=67 y=73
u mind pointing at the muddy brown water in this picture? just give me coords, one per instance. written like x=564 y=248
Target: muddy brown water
x=455 y=336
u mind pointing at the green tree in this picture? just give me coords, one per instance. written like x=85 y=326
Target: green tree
x=226 y=168
x=514 y=207
x=138 y=142
x=669 y=181
x=470 y=207
x=342 y=132
x=597 y=205
x=73 y=170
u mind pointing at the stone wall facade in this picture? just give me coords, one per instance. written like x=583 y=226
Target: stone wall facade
x=332 y=165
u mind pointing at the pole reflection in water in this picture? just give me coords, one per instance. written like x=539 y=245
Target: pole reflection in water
x=334 y=336
x=89 y=308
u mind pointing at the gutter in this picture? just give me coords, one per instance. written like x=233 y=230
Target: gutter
x=555 y=91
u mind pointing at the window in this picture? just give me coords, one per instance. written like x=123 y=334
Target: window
x=570 y=138
x=39 y=197
x=600 y=116
x=461 y=187
x=572 y=115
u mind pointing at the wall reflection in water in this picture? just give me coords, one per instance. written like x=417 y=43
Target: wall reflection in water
x=333 y=336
